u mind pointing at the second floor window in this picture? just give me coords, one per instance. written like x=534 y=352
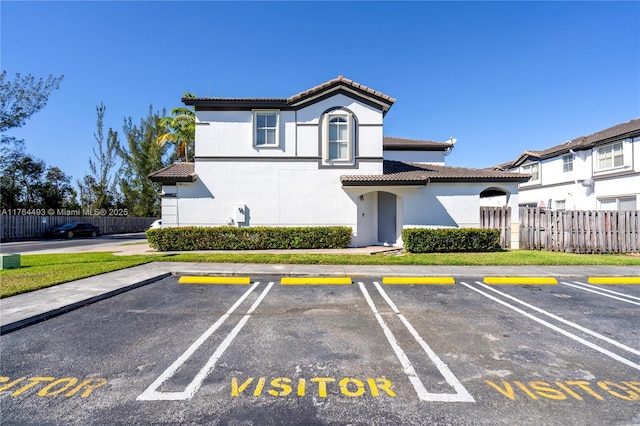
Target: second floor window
x=532 y=169
x=567 y=163
x=339 y=137
x=610 y=156
x=265 y=128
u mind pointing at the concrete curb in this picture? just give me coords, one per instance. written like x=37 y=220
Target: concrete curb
x=8 y=328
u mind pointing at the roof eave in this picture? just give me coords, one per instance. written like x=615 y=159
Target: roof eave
x=399 y=147
x=445 y=179
x=349 y=183
x=171 y=179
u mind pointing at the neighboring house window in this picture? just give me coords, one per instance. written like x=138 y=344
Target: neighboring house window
x=610 y=156
x=528 y=205
x=567 y=163
x=339 y=139
x=628 y=203
x=533 y=170
x=560 y=204
x=620 y=204
x=265 y=125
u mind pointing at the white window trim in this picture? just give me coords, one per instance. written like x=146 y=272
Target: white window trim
x=596 y=165
x=567 y=163
x=350 y=133
x=523 y=169
x=254 y=124
x=616 y=199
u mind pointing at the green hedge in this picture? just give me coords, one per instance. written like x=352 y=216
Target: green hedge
x=255 y=238
x=421 y=240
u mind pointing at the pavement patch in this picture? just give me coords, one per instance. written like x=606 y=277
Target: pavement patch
x=315 y=281
x=194 y=279
x=614 y=280
x=521 y=280
x=418 y=280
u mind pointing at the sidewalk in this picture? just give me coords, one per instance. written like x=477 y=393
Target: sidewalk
x=28 y=308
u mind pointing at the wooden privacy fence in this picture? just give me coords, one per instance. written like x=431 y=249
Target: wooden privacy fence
x=17 y=227
x=578 y=231
x=497 y=218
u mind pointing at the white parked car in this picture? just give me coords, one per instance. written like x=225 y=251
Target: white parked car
x=157 y=224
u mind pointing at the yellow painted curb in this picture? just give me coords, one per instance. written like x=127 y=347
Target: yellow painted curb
x=614 y=280
x=521 y=280
x=315 y=280
x=418 y=280
x=186 y=279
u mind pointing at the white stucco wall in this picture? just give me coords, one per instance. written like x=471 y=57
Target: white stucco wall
x=230 y=133
x=275 y=194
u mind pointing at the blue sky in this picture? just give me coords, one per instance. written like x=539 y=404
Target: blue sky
x=501 y=77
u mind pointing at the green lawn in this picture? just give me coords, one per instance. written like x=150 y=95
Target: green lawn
x=506 y=258
x=44 y=270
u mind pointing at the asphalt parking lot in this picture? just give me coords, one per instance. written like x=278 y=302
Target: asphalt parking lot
x=359 y=353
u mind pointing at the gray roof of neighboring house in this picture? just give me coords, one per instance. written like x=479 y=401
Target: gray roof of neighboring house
x=401 y=144
x=619 y=131
x=339 y=84
x=176 y=172
x=400 y=173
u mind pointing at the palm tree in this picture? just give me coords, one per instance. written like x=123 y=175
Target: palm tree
x=180 y=128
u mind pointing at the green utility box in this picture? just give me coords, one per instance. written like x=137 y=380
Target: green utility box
x=9 y=261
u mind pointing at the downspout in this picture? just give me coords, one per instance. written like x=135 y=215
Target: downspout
x=177 y=204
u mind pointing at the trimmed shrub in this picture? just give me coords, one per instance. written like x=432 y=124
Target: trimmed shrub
x=422 y=240
x=256 y=238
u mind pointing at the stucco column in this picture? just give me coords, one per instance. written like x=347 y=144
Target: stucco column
x=515 y=221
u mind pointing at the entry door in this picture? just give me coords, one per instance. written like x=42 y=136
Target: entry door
x=386 y=218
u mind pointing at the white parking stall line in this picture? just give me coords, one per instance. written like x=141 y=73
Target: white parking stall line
x=451 y=379
x=602 y=291
x=461 y=396
x=562 y=320
x=554 y=327
x=152 y=394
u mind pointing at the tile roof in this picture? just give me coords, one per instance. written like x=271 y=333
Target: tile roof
x=401 y=144
x=336 y=81
x=299 y=99
x=619 y=131
x=400 y=173
x=176 y=172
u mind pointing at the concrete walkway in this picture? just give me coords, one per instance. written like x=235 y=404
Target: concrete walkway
x=28 y=308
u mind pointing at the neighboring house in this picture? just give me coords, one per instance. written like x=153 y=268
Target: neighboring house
x=320 y=158
x=596 y=172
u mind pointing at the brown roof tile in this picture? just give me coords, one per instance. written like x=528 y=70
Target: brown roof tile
x=176 y=172
x=400 y=173
x=336 y=81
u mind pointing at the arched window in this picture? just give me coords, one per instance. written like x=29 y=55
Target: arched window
x=339 y=136
x=339 y=140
